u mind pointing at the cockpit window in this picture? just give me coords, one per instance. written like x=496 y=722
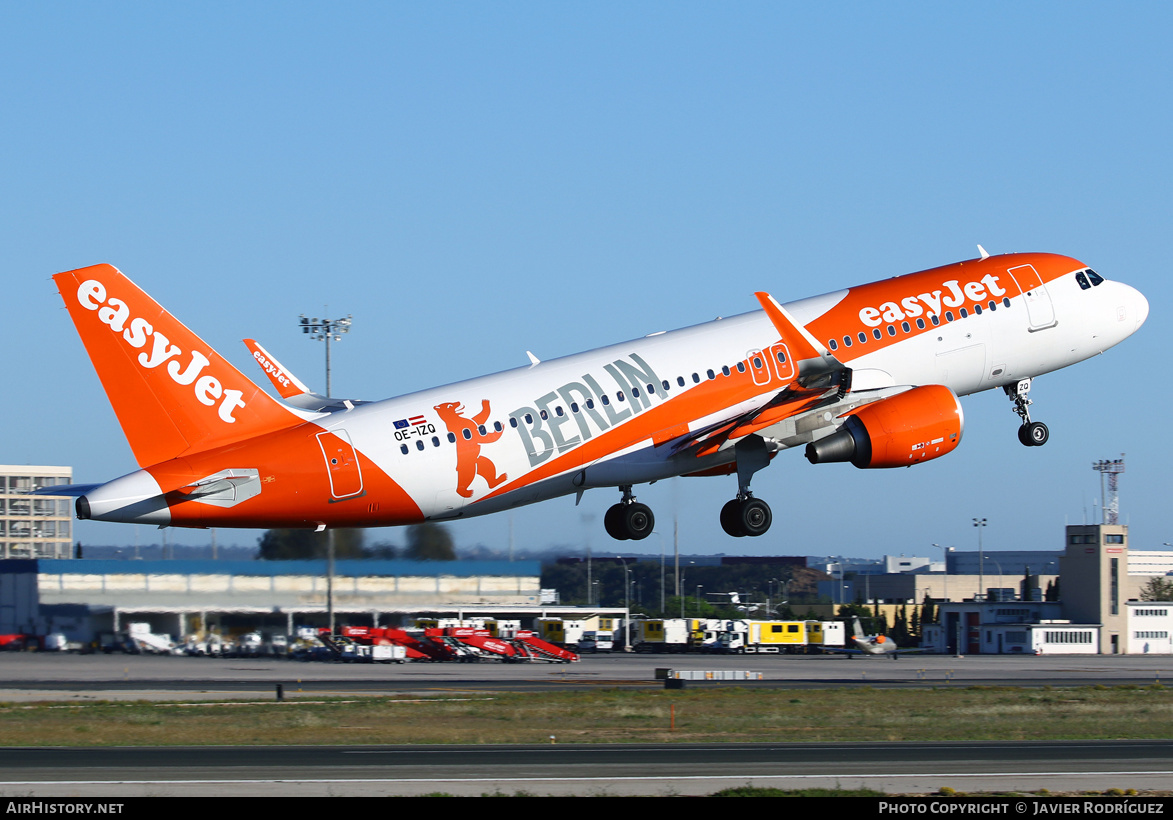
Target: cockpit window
x=1095 y=278
x=1083 y=285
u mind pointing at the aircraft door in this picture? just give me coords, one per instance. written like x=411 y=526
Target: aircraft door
x=783 y=364
x=341 y=464
x=1039 y=309
x=758 y=367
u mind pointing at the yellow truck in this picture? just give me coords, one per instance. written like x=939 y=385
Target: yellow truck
x=745 y=637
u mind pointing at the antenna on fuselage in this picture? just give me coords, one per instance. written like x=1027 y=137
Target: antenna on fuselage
x=985 y=254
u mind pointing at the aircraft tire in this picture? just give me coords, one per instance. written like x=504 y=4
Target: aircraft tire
x=638 y=521
x=614 y=523
x=755 y=517
x=1037 y=433
x=731 y=519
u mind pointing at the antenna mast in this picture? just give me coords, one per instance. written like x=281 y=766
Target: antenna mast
x=1111 y=468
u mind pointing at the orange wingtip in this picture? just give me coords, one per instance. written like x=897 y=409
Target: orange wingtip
x=285 y=383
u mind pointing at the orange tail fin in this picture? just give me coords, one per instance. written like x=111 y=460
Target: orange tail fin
x=172 y=393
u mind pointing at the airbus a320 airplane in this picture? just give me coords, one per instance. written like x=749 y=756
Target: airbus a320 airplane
x=868 y=375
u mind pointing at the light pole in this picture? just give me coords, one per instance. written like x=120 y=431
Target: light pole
x=327 y=330
x=980 y=523
x=945 y=558
x=626 y=605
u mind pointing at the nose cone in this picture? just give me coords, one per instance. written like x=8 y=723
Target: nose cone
x=1140 y=307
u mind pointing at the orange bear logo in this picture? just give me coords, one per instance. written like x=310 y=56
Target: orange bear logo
x=469 y=438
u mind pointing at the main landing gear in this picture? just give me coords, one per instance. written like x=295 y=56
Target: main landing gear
x=1031 y=433
x=629 y=520
x=746 y=515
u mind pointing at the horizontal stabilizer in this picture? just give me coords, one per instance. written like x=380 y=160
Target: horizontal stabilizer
x=68 y=490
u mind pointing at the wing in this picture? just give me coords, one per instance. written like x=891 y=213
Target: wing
x=817 y=379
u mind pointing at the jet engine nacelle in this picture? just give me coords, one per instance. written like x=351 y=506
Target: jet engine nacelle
x=914 y=426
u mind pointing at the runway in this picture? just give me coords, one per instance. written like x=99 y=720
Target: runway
x=48 y=676
x=564 y=769
x=637 y=769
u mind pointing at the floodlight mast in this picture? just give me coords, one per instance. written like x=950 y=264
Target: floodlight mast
x=326 y=330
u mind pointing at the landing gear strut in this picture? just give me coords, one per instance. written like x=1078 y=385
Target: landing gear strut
x=1031 y=433
x=629 y=520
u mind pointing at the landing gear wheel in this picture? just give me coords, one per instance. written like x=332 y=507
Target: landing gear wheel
x=638 y=521
x=731 y=519
x=755 y=517
x=613 y=523
x=1034 y=434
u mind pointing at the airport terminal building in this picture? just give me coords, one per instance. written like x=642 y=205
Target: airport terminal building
x=84 y=598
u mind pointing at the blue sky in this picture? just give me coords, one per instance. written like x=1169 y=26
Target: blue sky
x=474 y=180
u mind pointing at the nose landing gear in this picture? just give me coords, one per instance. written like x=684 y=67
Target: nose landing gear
x=1031 y=433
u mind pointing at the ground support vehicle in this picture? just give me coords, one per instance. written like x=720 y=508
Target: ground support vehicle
x=662 y=635
x=523 y=646
x=749 y=637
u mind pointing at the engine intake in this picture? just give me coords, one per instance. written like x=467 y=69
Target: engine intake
x=914 y=426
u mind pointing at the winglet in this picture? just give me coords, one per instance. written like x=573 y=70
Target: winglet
x=801 y=343
x=812 y=358
x=292 y=389
x=285 y=383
